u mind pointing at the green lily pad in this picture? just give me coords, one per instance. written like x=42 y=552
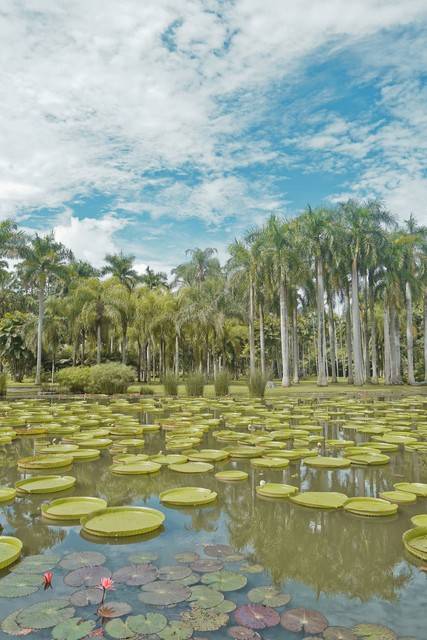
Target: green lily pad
x=232 y=475
x=119 y=629
x=276 y=490
x=208 y=455
x=419 y=520
x=225 y=580
x=251 y=568
x=191 y=467
x=190 y=580
x=219 y=550
x=369 y=458
x=136 y=468
x=176 y=631
x=80 y=559
x=7 y=494
x=73 y=629
x=11 y=627
x=164 y=593
x=204 y=619
x=246 y=452
x=174 y=572
x=370 y=507
x=399 y=497
x=149 y=624
x=270 y=596
x=87 y=576
x=10 y=550
x=16 y=585
x=143 y=558
x=306 y=620
x=45 y=484
x=206 y=566
x=338 y=633
x=374 y=632
x=419 y=488
x=46 y=614
x=108 y=610
x=170 y=458
x=36 y=564
x=72 y=508
x=205 y=597
x=86 y=597
x=123 y=521
x=188 y=496
x=320 y=499
x=326 y=462
x=269 y=463
x=136 y=574
x=45 y=462
x=59 y=448
x=415 y=541
x=85 y=454
x=226 y=606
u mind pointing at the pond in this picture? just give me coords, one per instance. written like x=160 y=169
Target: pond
x=242 y=565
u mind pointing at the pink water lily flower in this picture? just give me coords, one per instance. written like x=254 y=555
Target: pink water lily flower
x=47 y=580
x=106 y=585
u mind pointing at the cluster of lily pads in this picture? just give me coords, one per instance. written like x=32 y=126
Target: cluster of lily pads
x=142 y=599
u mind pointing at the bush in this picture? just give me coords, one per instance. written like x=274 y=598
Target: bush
x=3 y=385
x=195 y=385
x=257 y=383
x=170 y=383
x=101 y=378
x=222 y=383
x=146 y=391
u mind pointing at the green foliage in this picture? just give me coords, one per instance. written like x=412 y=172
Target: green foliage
x=13 y=350
x=146 y=391
x=222 y=383
x=3 y=385
x=101 y=378
x=195 y=385
x=170 y=383
x=257 y=384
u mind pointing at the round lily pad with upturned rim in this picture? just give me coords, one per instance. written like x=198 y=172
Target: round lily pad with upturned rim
x=174 y=572
x=208 y=455
x=136 y=468
x=188 y=496
x=113 y=609
x=327 y=462
x=369 y=458
x=45 y=484
x=419 y=488
x=415 y=541
x=419 y=520
x=10 y=550
x=269 y=463
x=85 y=454
x=276 y=490
x=45 y=462
x=95 y=443
x=72 y=508
x=123 y=521
x=400 y=497
x=170 y=458
x=7 y=494
x=320 y=499
x=232 y=475
x=59 y=448
x=191 y=467
x=365 y=506
x=246 y=452
x=306 y=620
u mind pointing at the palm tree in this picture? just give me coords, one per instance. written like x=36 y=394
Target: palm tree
x=154 y=280
x=92 y=299
x=201 y=265
x=43 y=264
x=120 y=266
x=121 y=301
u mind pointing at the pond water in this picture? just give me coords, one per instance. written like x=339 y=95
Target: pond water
x=352 y=569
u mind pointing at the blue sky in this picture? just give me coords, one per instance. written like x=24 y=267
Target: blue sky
x=168 y=125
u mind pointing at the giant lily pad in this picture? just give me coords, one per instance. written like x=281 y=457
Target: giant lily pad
x=164 y=593
x=188 y=496
x=419 y=488
x=136 y=574
x=176 y=630
x=206 y=566
x=59 y=448
x=243 y=633
x=269 y=463
x=45 y=462
x=232 y=475
x=364 y=506
x=72 y=508
x=415 y=541
x=305 y=620
x=147 y=624
x=43 y=615
x=246 y=452
x=87 y=576
x=225 y=580
x=205 y=597
x=45 y=484
x=10 y=550
x=82 y=559
x=123 y=521
x=338 y=633
x=270 y=596
x=191 y=467
x=276 y=490
x=6 y=494
x=136 y=468
x=171 y=458
x=326 y=462
x=374 y=632
x=399 y=497
x=419 y=520
x=17 y=585
x=208 y=455
x=86 y=597
x=256 y=616
x=320 y=499
x=73 y=629
x=369 y=458
x=204 y=619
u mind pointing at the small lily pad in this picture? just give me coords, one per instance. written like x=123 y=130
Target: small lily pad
x=164 y=593
x=243 y=633
x=276 y=490
x=10 y=550
x=226 y=606
x=218 y=550
x=338 y=633
x=206 y=566
x=36 y=564
x=16 y=585
x=225 y=580
x=270 y=596
x=256 y=616
x=136 y=574
x=119 y=629
x=205 y=597
x=86 y=597
x=374 y=632
x=176 y=630
x=174 y=572
x=80 y=559
x=10 y=626
x=204 y=619
x=188 y=496
x=46 y=614
x=113 y=609
x=87 y=576
x=73 y=629
x=147 y=624
x=306 y=620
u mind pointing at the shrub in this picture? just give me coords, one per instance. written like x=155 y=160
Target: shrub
x=74 y=379
x=222 y=383
x=146 y=391
x=102 y=378
x=3 y=385
x=257 y=383
x=195 y=384
x=170 y=383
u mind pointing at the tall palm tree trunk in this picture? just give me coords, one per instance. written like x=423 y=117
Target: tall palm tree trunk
x=40 y=336
x=124 y=346
x=425 y=335
x=148 y=375
x=394 y=346
x=261 y=338
x=295 y=350
x=359 y=373
x=176 y=354
x=366 y=327
x=322 y=375
x=252 y=363
x=98 y=343
x=373 y=332
x=387 y=345
x=348 y=338
x=284 y=331
x=409 y=334
x=332 y=337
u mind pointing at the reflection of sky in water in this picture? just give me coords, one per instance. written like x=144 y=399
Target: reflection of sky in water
x=352 y=569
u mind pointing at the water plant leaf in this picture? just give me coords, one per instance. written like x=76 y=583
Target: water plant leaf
x=206 y=566
x=136 y=574
x=419 y=488
x=188 y=556
x=320 y=499
x=113 y=609
x=205 y=597
x=10 y=626
x=374 y=632
x=87 y=576
x=143 y=558
x=122 y=521
x=338 y=633
x=226 y=606
x=16 y=585
x=191 y=467
x=415 y=541
x=231 y=475
x=370 y=507
x=149 y=624
x=326 y=462
x=36 y=564
x=188 y=496
x=72 y=508
x=204 y=619
x=45 y=614
x=176 y=630
x=72 y=629
x=190 y=580
x=256 y=616
x=269 y=596
x=174 y=572
x=80 y=559
x=251 y=568
x=225 y=580
x=419 y=520
x=306 y=620
x=86 y=597
x=218 y=550
x=164 y=593
x=243 y=633
x=119 y=629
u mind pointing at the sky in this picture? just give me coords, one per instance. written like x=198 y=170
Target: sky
x=156 y=126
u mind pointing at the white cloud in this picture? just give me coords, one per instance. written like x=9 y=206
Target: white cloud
x=93 y=99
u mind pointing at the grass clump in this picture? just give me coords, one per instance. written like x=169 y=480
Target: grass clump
x=257 y=383
x=195 y=385
x=222 y=383
x=170 y=383
x=146 y=391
